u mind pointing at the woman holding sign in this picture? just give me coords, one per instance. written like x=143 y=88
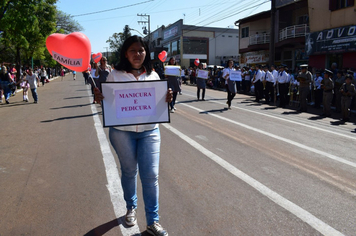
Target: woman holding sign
x=173 y=83
x=201 y=82
x=137 y=146
x=229 y=84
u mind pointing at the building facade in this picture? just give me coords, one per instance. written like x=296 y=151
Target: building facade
x=187 y=42
x=291 y=27
x=332 y=37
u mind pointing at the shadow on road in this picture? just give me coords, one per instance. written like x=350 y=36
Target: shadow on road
x=74 y=106
x=104 y=228
x=70 y=117
x=214 y=111
x=77 y=97
x=15 y=104
x=318 y=117
x=339 y=122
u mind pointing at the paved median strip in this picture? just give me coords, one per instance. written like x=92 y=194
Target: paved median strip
x=325 y=154
x=302 y=214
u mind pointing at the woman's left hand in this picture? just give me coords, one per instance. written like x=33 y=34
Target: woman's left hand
x=169 y=96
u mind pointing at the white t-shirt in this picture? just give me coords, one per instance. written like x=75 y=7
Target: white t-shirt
x=92 y=72
x=32 y=80
x=121 y=76
x=43 y=73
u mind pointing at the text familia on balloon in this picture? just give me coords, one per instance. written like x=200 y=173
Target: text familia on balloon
x=67 y=61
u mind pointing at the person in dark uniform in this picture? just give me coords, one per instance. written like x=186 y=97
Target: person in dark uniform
x=339 y=81
x=328 y=86
x=304 y=78
x=318 y=90
x=347 y=91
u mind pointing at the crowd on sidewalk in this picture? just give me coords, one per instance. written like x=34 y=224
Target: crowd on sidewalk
x=29 y=79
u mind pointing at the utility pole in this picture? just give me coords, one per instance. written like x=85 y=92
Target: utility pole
x=107 y=53
x=145 y=19
x=273 y=33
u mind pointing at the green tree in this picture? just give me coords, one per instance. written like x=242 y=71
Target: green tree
x=115 y=42
x=65 y=24
x=25 y=26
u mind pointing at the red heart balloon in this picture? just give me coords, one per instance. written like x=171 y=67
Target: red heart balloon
x=72 y=50
x=162 y=56
x=196 y=62
x=97 y=56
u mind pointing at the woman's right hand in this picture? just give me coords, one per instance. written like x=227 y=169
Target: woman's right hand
x=98 y=96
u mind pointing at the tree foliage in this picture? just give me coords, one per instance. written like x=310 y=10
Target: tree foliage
x=24 y=27
x=116 y=41
x=66 y=24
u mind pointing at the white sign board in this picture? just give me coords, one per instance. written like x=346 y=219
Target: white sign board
x=235 y=75
x=133 y=103
x=172 y=70
x=203 y=74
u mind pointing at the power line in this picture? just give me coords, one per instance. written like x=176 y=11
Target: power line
x=113 y=9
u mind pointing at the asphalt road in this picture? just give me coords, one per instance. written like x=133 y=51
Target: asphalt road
x=251 y=170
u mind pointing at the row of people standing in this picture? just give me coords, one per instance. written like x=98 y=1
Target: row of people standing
x=269 y=82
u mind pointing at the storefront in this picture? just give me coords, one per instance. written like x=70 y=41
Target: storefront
x=336 y=45
x=253 y=58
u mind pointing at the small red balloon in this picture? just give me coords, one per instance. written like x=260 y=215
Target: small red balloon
x=162 y=56
x=97 y=56
x=196 y=62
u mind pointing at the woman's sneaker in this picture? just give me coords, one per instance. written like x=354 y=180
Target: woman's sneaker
x=130 y=217
x=156 y=229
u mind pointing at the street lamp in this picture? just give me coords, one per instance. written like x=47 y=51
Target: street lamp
x=137 y=32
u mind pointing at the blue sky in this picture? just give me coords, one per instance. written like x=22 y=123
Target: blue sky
x=105 y=17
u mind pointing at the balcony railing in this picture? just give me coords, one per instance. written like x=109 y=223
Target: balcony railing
x=260 y=39
x=294 y=31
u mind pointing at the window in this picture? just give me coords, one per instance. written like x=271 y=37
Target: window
x=303 y=20
x=169 y=49
x=245 y=32
x=339 y=4
x=175 y=47
x=195 y=46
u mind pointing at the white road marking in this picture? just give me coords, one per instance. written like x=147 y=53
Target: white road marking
x=112 y=175
x=328 y=155
x=290 y=121
x=302 y=214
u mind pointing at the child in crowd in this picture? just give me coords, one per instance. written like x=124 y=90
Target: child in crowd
x=24 y=85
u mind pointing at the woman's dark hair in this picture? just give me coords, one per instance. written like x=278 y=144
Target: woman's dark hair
x=124 y=64
x=228 y=62
x=169 y=62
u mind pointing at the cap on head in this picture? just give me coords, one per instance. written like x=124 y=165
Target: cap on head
x=348 y=76
x=304 y=66
x=329 y=72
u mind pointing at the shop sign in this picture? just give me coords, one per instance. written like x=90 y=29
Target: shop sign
x=170 y=32
x=335 y=40
x=251 y=59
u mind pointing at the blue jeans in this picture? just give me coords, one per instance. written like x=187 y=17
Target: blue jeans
x=34 y=94
x=139 y=151
x=6 y=88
